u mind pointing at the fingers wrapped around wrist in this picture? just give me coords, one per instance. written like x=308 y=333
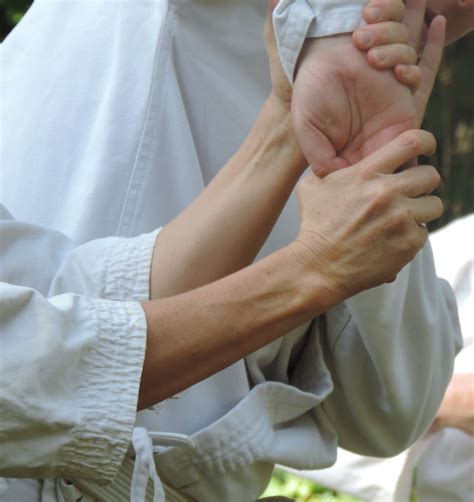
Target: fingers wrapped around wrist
x=361 y=225
x=377 y=11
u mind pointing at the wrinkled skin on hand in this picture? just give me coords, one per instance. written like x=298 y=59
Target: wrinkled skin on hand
x=343 y=109
x=361 y=225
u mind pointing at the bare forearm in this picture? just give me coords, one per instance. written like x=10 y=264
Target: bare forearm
x=225 y=227
x=341 y=249
x=196 y=334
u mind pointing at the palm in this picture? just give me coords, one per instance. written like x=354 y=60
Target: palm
x=343 y=109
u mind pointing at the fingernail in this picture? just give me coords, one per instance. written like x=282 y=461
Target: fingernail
x=364 y=37
x=375 y=13
x=380 y=55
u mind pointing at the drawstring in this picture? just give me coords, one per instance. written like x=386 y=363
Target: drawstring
x=144 y=467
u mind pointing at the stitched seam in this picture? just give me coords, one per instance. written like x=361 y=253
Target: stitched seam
x=129 y=207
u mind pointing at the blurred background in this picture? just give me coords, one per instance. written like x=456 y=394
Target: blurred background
x=450 y=117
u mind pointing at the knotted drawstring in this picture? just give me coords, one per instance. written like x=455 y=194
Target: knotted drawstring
x=144 y=468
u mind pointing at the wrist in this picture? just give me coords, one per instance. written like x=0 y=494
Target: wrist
x=320 y=47
x=319 y=289
x=274 y=131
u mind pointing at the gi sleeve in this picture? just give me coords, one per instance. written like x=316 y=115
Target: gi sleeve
x=70 y=366
x=296 y=20
x=390 y=351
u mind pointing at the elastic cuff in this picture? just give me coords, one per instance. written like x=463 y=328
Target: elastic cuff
x=108 y=393
x=128 y=270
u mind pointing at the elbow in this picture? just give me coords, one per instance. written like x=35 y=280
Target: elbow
x=394 y=425
x=389 y=440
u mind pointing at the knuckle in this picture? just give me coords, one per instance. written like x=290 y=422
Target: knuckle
x=381 y=200
x=363 y=175
x=400 y=218
x=415 y=242
x=411 y=142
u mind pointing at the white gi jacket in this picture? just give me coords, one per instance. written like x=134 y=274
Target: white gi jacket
x=443 y=462
x=70 y=366
x=118 y=115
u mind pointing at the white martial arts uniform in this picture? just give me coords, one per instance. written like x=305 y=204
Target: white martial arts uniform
x=443 y=462
x=70 y=366
x=118 y=114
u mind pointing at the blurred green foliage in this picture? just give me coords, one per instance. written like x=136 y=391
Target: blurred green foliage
x=450 y=116
x=11 y=11
x=288 y=485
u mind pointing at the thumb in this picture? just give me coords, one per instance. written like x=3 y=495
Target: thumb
x=315 y=143
x=319 y=151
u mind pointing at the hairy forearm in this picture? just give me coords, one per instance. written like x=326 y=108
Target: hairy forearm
x=196 y=334
x=224 y=228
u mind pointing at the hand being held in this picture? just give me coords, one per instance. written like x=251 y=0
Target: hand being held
x=386 y=32
x=361 y=225
x=344 y=109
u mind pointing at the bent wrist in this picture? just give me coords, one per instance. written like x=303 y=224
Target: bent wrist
x=315 y=48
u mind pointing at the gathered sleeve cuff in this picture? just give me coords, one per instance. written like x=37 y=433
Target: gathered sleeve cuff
x=113 y=268
x=70 y=369
x=71 y=354
x=107 y=394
